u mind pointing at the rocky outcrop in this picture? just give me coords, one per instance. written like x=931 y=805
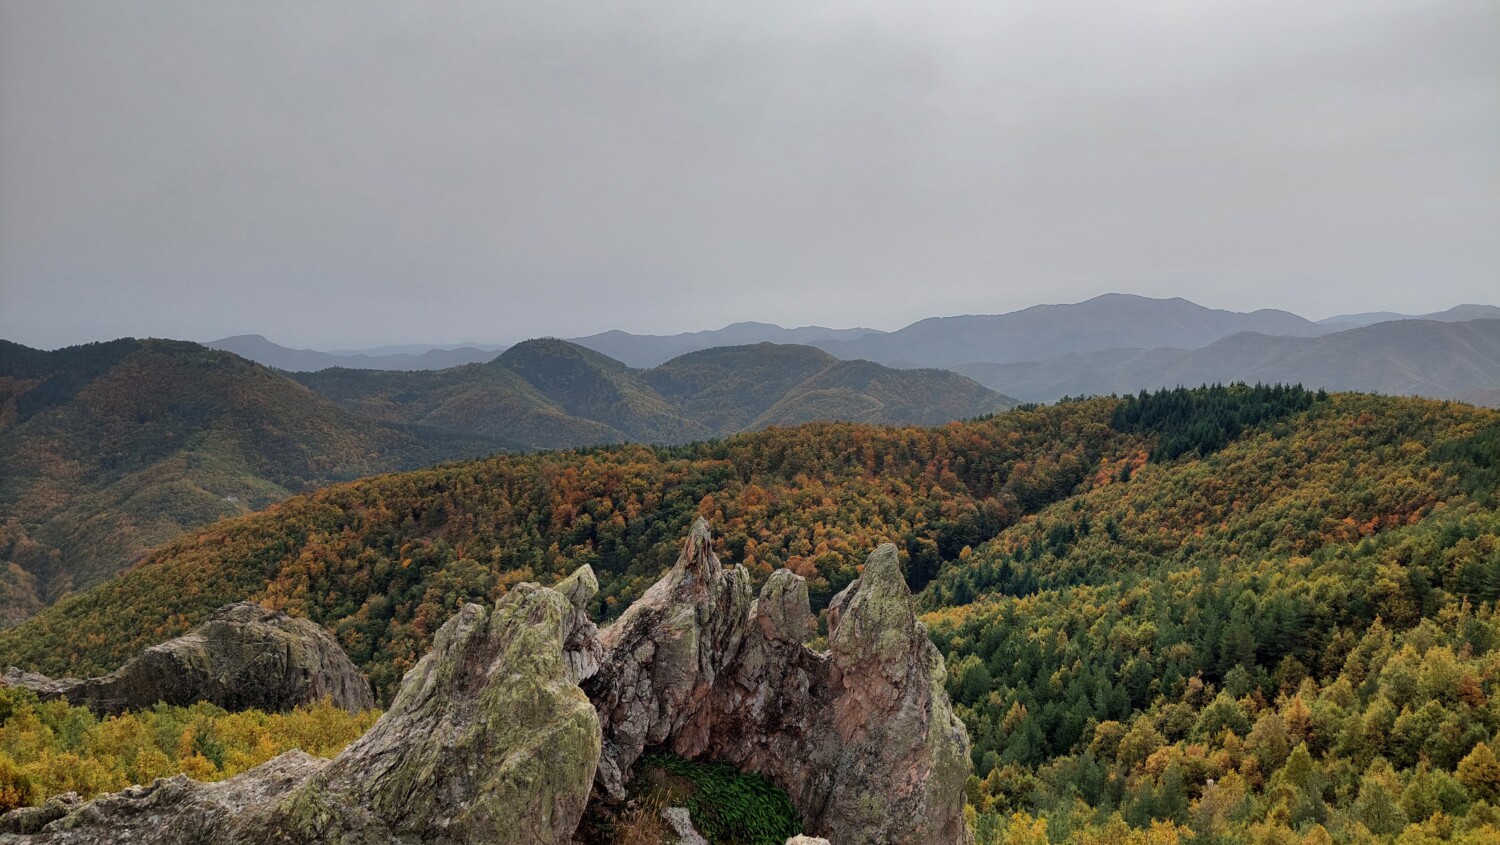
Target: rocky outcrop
x=862 y=738
x=489 y=740
x=243 y=656
x=492 y=739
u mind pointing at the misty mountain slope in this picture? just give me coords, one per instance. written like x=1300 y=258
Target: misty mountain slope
x=1110 y=321
x=639 y=350
x=863 y=391
x=262 y=351
x=594 y=386
x=1456 y=314
x=728 y=387
x=480 y=398
x=1403 y=357
x=111 y=449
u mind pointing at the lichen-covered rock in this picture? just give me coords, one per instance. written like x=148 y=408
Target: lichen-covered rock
x=170 y=811
x=663 y=655
x=489 y=740
x=243 y=656
x=581 y=645
x=681 y=822
x=806 y=840
x=894 y=733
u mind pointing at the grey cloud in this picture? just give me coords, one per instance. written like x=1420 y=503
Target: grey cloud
x=358 y=173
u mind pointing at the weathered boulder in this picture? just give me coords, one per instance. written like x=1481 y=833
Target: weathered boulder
x=243 y=656
x=489 y=740
x=170 y=811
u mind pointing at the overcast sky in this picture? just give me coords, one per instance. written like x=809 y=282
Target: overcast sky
x=336 y=174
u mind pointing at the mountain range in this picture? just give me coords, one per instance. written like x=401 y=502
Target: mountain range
x=262 y=351
x=1449 y=360
x=1456 y=314
x=110 y=449
x=1109 y=344
x=549 y=393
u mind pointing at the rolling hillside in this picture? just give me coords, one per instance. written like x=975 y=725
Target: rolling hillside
x=1459 y=360
x=1227 y=614
x=113 y=448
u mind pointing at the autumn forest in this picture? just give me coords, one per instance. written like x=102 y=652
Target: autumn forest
x=1224 y=615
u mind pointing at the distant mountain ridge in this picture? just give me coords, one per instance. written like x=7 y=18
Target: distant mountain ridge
x=639 y=350
x=1456 y=314
x=1110 y=321
x=1445 y=360
x=1044 y=331
x=262 y=351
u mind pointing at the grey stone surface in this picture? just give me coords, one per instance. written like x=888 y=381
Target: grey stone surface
x=243 y=656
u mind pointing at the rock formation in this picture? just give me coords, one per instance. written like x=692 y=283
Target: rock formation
x=492 y=739
x=242 y=656
x=863 y=739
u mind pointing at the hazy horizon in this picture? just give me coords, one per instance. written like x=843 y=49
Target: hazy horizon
x=360 y=175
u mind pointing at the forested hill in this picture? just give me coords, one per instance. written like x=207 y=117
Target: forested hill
x=112 y=448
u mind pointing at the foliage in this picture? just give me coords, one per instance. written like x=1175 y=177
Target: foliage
x=48 y=748
x=729 y=807
x=1202 y=421
x=1285 y=632
x=383 y=562
x=1295 y=633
